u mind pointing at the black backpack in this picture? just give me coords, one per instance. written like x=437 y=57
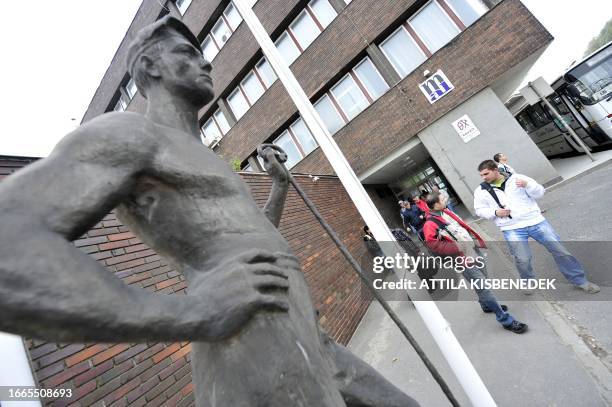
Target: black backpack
x=489 y=188
x=441 y=225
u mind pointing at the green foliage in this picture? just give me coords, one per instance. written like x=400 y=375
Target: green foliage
x=604 y=37
x=235 y=163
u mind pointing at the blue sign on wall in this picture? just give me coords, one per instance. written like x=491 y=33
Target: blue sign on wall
x=436 y=86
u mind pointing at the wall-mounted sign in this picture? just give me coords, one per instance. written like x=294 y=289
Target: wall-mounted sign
x=466 y=128
x=436 y=86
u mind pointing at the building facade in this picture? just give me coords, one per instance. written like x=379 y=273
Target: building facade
x=392 y=80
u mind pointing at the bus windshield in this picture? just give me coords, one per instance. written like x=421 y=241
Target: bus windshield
x=593 y=77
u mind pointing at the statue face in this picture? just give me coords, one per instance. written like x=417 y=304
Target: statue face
x=184 y=71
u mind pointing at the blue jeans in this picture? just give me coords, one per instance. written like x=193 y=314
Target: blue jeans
x=544 y=234
x=485 y=297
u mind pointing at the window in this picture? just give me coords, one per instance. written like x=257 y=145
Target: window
x=211 y=131
x=350 y=97
x=287 y=48
x=303 y=136
x=307 y=26
x=130 y=88
x=403 y=53
x=232 y=16
x=330 y=116
x=248 y=168
x=434 y=26
x=371 y=78
x=215 y=127
x=183 y=5
x=266 y=73
x=121 y=104
x=323 y=11
x=238 y=103
x=209 y=49
x=467 y=10
x=304 y=29
x=224 y=126
x=288 y=145
x=252 y=87
x=221 y=33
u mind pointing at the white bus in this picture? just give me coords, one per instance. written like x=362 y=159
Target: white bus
x=583 y=98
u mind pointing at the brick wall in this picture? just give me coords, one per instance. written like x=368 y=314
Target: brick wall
x=501 y=39
x=473 y=60
x=155 y=374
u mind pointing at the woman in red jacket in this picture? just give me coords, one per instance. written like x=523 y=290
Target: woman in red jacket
x=446 y=234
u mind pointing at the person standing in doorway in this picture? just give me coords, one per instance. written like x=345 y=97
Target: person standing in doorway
x=510 y=200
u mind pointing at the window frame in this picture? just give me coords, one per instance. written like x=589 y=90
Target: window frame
x=411 y=38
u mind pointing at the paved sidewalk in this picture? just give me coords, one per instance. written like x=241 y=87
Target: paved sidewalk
x=566 y=357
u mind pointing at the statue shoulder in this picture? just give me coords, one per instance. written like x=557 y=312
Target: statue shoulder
x=111 y=137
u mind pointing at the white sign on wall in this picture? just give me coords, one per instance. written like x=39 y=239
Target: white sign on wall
x=436 y=86
x=466 y=128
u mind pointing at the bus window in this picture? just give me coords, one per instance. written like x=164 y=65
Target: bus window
x=556 y=101
x=539 y=116
x=525 y=121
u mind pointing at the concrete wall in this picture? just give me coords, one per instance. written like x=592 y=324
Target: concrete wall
x=499 y=132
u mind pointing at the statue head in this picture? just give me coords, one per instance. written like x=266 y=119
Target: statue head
x=167 y=54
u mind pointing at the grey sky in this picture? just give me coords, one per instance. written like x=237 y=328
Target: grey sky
x=55 y=57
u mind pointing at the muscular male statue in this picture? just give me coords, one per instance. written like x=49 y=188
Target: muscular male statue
x=256 y=339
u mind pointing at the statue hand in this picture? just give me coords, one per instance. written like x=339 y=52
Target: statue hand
x=273 y=157
x=233 y=292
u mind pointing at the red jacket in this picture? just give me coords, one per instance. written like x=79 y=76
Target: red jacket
x=422 y=205
x=446 y=246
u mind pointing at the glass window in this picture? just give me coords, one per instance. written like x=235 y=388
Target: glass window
x=222 y=121
x=211 y=131
x=248 y=168
x=266 y=72
x=350 y=98
x=434 y=27
x=329 y=114
x=371 y=78
x=183 y=5
x=304 y=29
x=221 y=32
x=287 y=48
x=252 y=87
x=130 y=88
x=288 y=145
x=324 y=12
x=209 y=49
x=233 y=16
x=238 y=103
x=467 y=10
x=121 y=105
x=303 y=136
x=403 y=53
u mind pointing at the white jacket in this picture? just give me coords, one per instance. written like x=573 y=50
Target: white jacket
x=521 y=202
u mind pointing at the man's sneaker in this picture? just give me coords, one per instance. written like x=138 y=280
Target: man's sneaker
x=488 y=310
x=516 y=327
x=589 y=287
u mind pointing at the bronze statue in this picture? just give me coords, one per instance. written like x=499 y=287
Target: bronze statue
x=256 y=339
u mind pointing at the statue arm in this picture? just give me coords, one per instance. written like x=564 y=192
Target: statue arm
x=48 y=288
x=274 y=157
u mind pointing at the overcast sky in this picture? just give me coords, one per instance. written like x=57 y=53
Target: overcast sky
x=56 y=52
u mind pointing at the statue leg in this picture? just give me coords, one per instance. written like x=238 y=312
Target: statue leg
x=359 y=384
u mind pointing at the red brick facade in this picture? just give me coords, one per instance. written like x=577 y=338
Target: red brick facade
x=155 y=374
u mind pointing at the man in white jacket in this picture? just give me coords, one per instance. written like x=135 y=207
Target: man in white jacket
x=511 y=202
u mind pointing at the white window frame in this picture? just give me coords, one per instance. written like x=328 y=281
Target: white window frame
x=330 y=93
x=182 y=6
x=374 y=98
x=443 y=12
x=416 y=44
